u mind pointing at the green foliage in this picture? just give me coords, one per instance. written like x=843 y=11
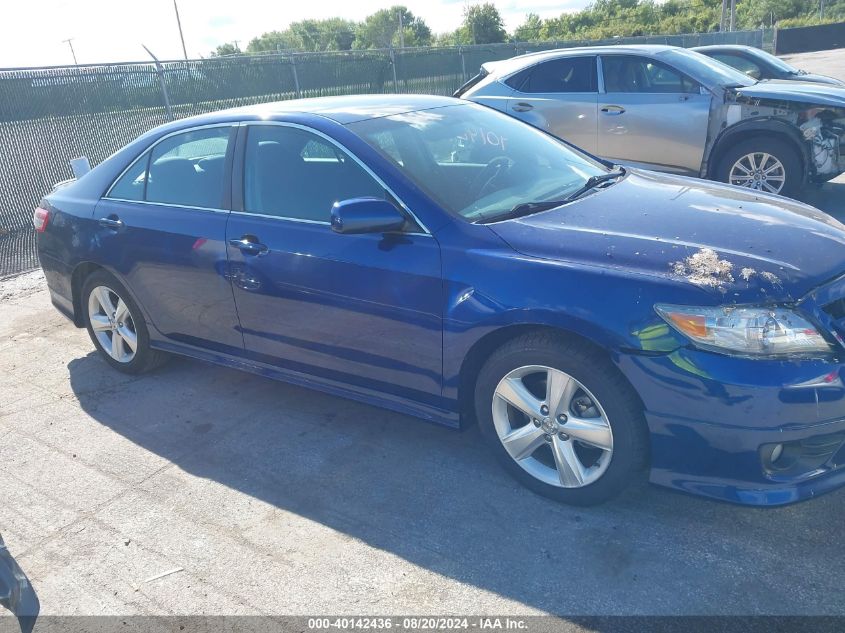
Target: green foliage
x=274 y=41
x=333 y=34
x=381 y=29
x=606 y=19
x=482 y=24
x=530 y=30
x=226 y=49
x=808 y=20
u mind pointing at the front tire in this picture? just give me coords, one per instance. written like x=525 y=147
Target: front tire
x=116 y=325
x=561 y=418
x=763 y=164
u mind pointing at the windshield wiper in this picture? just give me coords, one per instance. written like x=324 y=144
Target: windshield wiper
x=527 y=208
x=592 y=183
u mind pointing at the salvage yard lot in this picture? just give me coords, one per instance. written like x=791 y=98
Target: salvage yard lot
x=275 y=499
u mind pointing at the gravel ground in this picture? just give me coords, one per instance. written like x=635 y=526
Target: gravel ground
x=272 y=499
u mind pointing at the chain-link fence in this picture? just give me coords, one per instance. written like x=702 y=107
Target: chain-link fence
x=50 y=115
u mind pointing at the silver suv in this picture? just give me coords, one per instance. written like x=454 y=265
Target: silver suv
x=671 y=109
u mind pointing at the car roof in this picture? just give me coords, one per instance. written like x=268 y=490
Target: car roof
x=342 y=109
x=513 y=64
x=723 y=47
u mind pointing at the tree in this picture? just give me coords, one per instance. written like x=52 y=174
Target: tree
x=273 y=41
x=333 y=34
x=381 y=29
x=226 y=49
x=530 y=30
x=482 y=25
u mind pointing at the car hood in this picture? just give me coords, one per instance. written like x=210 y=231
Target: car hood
x=741 y=245
x=800 y=91
x=818 y=79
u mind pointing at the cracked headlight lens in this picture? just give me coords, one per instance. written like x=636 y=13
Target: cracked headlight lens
x=746 y=331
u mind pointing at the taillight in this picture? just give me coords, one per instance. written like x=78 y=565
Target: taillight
x=40 y=217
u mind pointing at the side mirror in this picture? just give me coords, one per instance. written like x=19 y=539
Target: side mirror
x=366 y=215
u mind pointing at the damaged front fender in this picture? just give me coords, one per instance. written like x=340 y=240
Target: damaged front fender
x=814 y=124
x=16 y=592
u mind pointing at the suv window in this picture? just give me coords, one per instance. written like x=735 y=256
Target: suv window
x=640 y=74
x=568 y=74
x=293 y=173
x=188 y=168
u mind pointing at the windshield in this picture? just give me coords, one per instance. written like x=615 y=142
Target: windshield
x=771 y=60
x=476 y=162
x=705 y=70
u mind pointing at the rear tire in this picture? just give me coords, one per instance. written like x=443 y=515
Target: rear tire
x=763 y=164
x=116 y=325
x=586 y=444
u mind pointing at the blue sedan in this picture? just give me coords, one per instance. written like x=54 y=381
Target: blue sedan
x=443 y=260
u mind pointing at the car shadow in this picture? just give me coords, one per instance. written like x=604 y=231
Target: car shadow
x=436 y=498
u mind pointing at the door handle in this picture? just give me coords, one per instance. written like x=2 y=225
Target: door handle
x=111 y=222
x=522 y=107
x=613 y=110
x=249 y=245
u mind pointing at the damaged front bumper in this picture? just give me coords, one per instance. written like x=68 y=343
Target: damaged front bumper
x=749 y=431
x=16 y=592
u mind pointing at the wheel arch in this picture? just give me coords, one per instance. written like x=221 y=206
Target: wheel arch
x=487 y=344
x=77 y=279
x=81 y=272
x=769 y=128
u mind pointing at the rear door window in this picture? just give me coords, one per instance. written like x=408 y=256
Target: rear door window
x=130 y=186
x=188 y=169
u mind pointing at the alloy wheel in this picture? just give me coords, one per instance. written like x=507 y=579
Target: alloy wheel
x=113 y=324
x=552 y=426
x=760 y=171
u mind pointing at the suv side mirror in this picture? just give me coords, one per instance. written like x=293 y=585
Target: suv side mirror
x=366 y=215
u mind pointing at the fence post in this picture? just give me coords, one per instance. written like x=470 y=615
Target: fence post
x=463 y=63
x=393 y=66
x=160 y=73
x=163 y=84
x=295 y=77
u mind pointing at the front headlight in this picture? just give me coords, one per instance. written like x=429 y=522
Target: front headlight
x=747 y=331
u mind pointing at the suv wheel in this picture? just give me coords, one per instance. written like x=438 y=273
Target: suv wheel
x=768 y=165
x=561 y=418
x=116 y=325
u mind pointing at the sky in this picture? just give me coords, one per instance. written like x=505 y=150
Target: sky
x=32 y=31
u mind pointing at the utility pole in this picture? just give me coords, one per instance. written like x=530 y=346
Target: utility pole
x=69 y=42
x=821 y=9
x=733 y=14
x=724 y=18
x=179 y=24
x=237 y=48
